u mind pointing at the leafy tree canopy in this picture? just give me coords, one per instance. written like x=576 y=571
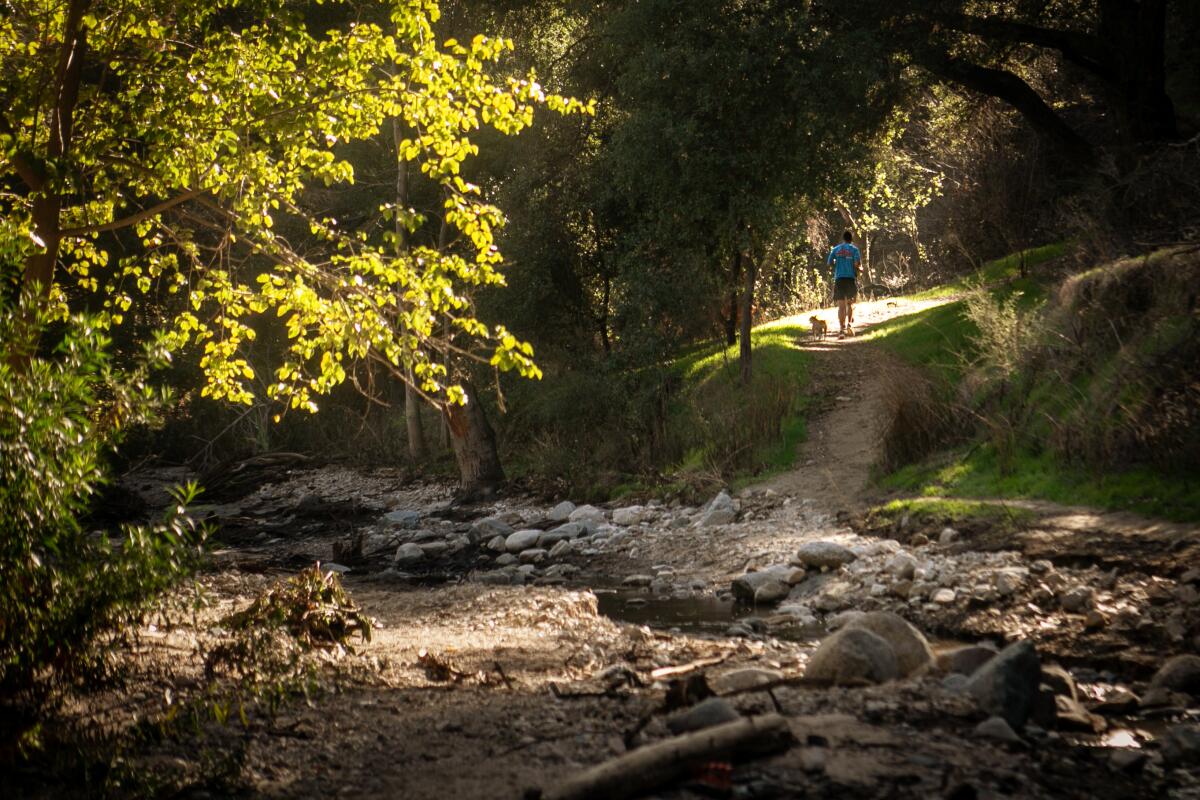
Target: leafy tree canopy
x=156 y=148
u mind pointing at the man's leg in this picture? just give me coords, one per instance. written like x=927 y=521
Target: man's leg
x=841 y=314
x=850 y=316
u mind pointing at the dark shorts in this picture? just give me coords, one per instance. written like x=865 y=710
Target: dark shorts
x=844 y=289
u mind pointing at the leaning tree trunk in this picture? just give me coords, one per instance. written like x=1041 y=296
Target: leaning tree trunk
x=474 y=444
x=747 y=314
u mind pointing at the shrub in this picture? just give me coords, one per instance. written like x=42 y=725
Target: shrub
x=65 y=590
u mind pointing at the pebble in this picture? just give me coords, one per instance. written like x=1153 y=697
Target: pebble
x=944 y=596
x=947 y=536
x=996 y=728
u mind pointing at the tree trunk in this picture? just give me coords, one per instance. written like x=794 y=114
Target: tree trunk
x=747 y=314
x=412 y=398
x=39 y=266
x=474 y=444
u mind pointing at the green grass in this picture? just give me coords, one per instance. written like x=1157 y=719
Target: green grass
x=943 y=509
x=771 y=412
x=940 y=341
x=976 y=473
x=1001 y=269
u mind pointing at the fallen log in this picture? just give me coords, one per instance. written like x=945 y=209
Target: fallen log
x=664 y=763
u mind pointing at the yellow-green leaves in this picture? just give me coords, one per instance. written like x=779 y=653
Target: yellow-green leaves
x=205 y=138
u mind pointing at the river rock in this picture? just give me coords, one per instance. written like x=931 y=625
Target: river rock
x=561 y=512
x=434 y=549
x=630 y=515
x=488 y=528
x=505 y=559
x=997 y=728
x=638 y=580
x=1180 y=674
x=402 y=518
x=944 y=596
x=909 y=644
x=965 y=660
x=824 y=554
x=713 y=711
x=533 y=555
x=902 y=566
x=561 y=548
x=1181 y=745
x=948 y=536
x=497 y=544
x=1007 y=685
x=587 y=513
x=766 y=586
x=409 y=553
x=522 y=540
x=740 y=680
x=852 y=655
x=1010 y=581
x=1078 y=600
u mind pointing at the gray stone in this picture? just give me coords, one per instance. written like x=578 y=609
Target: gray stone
x=722 y=500
x=561 y=549
x=717 y=516
x=766 y=586
x=584 y=513
x=996 y=728
x=1007 y=685
x=1010 y=581
x=901 y=565
x=507 y=558
x=497 y=544
x=402 y=518
x=638 y=580
x=1181 y=745
x=824 y=554
x=1078 y=600
x=533 y=555
x=852 y=655
x=843 y=619
x=409 y=553
x=909 y=644
x=630 y=515
x=713 y=711
x=965 y=660
x=522 y=540
x=1179 y=674
x=551 y=538
x=944 y=596
x=489 y=528
x=948 y=536
x=744 y=679
x=561 y=512
x=955 y=682
x=434 y=549
x=333 y=566
x=497 y=577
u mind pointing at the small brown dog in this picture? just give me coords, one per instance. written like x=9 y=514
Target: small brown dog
x=819 y=328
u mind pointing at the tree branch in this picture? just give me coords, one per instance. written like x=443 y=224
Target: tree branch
x=1017 y=93
x=1082 y=49
x=134 y=219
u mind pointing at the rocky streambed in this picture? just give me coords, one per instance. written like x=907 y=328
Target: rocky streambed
x=914 y=659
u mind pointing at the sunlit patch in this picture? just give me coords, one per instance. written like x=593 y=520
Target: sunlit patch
x=1121 y=738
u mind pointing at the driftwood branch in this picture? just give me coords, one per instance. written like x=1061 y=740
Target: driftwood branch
x=664 y=763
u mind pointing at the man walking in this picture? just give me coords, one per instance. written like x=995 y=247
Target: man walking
x=845 y=259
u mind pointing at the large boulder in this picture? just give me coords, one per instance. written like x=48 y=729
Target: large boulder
x=561 y=512
x=587 y=514
x=824 y=554
x=522 y=540
x=1179 y=674
x=909 y=644
x=719 y=511
x=853 y=655
x=1007 y=685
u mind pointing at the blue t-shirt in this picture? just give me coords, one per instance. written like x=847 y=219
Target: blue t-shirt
x=844 y=257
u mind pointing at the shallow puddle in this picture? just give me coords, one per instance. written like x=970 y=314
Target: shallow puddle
x=704 y=614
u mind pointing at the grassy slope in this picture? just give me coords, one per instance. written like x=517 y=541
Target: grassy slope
x=940 y=340
x=744 y=433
